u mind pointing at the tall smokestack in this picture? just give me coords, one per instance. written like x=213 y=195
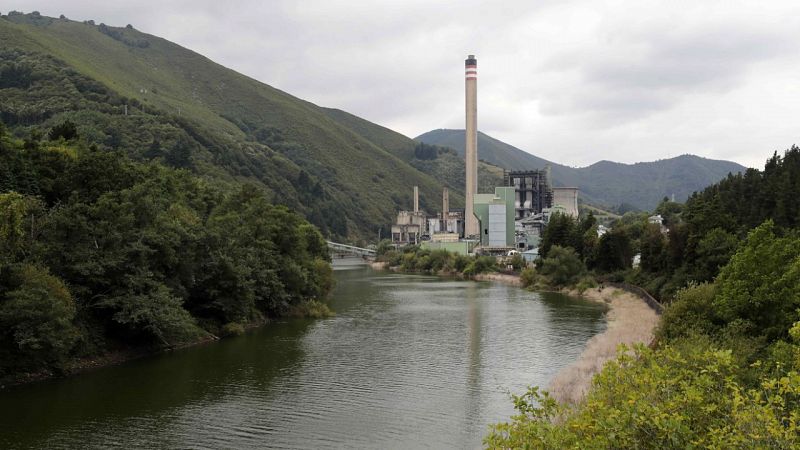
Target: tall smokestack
x=416 y=199
x=445 y=203
x=471 y=222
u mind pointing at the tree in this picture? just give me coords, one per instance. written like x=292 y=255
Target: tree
x=758 y=289
x=65 y=130
x=712 y=253
x=653 y=249
x=560 y=231
x=563 y=266
x=614 y=251
x=36 y=313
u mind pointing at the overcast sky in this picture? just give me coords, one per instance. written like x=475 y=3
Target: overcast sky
x=571 y=81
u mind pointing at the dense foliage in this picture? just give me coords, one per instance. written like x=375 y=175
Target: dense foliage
x=725 y=371
x=99 y=252
x=675 y=397
x=414 y=259
x=129 y=91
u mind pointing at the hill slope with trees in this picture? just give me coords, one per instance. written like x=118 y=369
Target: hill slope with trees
x=724 y=370
x=641 y=185
x=99 y=253
x=146 y=97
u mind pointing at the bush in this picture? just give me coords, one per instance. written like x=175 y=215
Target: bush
x=528 y=277
x=36 y=314
x=517 y=262
x=232 y=329
x=669 y=398
x=562 y=266
x=587 y=282
x=761 y=282
x=691 y=313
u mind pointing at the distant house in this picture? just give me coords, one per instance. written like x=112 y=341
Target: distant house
x=656 y=219
x=530 y=255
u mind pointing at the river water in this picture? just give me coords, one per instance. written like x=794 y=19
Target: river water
x=407 y=362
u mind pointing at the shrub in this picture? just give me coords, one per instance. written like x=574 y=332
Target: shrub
x=518 y=262
x=36 y=314
x=563 y=266
x=528 y=277
x=232 y=329
x=691 y=313
x=587 y=282
x=670 y=398
x=761 y=282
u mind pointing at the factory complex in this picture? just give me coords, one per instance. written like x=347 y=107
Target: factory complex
x=509 y=219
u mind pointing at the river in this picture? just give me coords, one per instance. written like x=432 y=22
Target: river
x=407 y=362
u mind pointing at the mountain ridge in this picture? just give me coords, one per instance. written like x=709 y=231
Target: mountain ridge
x=138 y=93
x=608 y=183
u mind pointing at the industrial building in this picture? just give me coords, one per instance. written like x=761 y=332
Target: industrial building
x=567 y=198
x=532 y=191
x=495 y=214
x=447 y=221
x=410 y=226
x=511 y=218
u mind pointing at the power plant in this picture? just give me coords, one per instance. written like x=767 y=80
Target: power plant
x=471 y=154
x=511 y=218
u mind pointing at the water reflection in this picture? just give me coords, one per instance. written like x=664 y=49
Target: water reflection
x=408 y=362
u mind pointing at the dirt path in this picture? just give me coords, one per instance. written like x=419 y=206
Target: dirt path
x=630 y=321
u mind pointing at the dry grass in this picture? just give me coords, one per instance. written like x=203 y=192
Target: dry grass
x=630 y=321
x=513 y=280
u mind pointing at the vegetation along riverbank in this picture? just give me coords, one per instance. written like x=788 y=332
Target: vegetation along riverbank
x=724 y=370
x=630 y=319
x=103 y=258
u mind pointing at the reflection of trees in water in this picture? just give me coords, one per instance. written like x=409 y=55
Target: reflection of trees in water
x=566 y=314
x=114 y=398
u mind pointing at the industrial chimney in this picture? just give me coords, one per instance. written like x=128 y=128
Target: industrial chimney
x=471 y=222
x=416 y=199
x=445 y=203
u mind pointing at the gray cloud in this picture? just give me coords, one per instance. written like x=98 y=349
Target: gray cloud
x=573 y=81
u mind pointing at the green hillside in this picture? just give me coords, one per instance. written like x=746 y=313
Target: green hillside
x=641 y=185
x=196 y=114
x=441 y=163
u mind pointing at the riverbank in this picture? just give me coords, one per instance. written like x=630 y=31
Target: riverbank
x=310 y=309
x=513 y=280
x=630 y=321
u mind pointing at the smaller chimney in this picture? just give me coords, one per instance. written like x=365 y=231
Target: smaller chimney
x=416 y=199
x=445 y=203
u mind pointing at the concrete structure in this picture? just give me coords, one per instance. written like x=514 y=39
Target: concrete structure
x=453 y=222
x=658 y=220
x=530 y=255
x=460 y=247
x=410 y=226
x=532 y=191
x=566 y=198
x=445 y=202
x=344 y=249
x=445 y=237
x=495 y=215
x=471 y=153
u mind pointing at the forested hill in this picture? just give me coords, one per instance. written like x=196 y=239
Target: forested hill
x=190 y=112
x=99 y=254
x=641 y=185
